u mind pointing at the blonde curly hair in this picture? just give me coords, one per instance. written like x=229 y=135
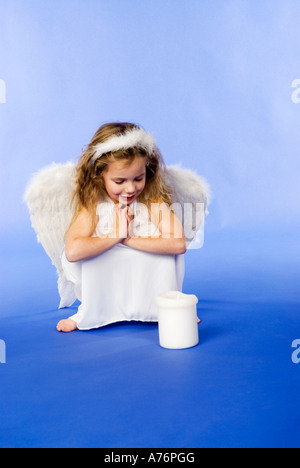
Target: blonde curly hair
x=89 y=185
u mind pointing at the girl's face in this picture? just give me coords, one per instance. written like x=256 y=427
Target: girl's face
x=125 y=183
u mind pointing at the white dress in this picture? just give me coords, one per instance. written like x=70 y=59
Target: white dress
x=122 y=283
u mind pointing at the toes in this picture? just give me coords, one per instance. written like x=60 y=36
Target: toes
x=66 y=326
x=60 y=326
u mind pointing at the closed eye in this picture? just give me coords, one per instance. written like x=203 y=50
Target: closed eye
x=119 y=182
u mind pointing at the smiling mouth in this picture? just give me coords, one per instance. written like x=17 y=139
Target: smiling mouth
x=127 y=200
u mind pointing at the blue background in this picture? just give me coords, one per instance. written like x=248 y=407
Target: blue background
x=213 y=81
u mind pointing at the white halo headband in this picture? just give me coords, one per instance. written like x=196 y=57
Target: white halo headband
x=137 y=137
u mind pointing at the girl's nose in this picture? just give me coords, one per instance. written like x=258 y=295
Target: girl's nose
x=130 y=188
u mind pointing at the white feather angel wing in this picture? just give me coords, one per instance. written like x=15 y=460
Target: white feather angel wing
x=49 y=194
x=191 y=196
x=48 y=197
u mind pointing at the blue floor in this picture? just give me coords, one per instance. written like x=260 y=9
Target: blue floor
x=115 y=387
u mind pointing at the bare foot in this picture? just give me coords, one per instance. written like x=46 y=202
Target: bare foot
x=66 y=326
x=198 y=320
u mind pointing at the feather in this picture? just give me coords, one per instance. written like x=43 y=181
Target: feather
x=191 y=196
x=135 y=137
x=48 y=197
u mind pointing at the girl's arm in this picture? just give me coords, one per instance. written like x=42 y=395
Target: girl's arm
x=172 y=239
x=80 y=245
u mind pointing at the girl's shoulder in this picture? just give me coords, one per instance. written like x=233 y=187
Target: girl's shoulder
x=83 y=224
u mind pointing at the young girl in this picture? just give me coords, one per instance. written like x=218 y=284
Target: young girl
x=124 y=245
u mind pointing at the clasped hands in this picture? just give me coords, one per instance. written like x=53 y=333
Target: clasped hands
x=123 y=217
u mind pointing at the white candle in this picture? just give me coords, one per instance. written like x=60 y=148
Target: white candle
x=177 y=320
